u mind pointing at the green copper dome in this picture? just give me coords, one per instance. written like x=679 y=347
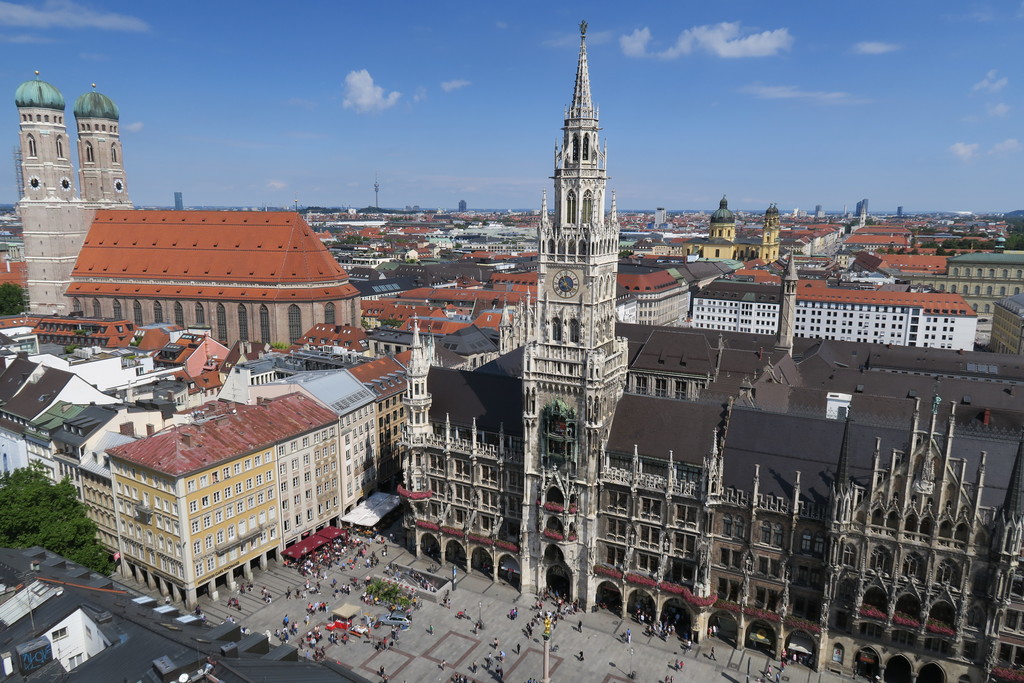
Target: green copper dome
x=38 y=93
x=96 y=105
x=772 y=211
x=723 y=215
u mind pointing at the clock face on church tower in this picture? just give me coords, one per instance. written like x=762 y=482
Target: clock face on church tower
x=566 y=283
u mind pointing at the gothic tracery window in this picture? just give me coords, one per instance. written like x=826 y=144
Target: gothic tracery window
x=329 y=314
x=586 y=147
x=31 y=146
x=89 y=157
x=588 y=207
x=200 y=314
x=243 y=323
x=294 y=323
x=570 y=207
x=264 y=324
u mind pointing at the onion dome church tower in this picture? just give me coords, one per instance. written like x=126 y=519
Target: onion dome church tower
x=54 y=217
x=575 y=369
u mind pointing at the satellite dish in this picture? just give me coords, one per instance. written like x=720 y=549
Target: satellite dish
x=183 y=678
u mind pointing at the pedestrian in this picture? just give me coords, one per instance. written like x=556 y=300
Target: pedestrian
x=444 y=664
x=629 y=635
x=712 y=655
x=581 y=655
x=517 y=648
x=580 y=627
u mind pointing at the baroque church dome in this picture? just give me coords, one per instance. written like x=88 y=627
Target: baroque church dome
x=96 y=105
x=723 y=215
x=38 y=93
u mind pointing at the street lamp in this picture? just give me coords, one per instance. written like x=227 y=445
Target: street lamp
x=632 y=674
x=480 y=612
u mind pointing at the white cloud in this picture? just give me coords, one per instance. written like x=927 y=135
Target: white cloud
x=1005 y=147
x=726 y=39
x=276 y=185
x=25 y=38
x=66 y=14
x=791 y=92
x=964 y=151
x=990 y=83
x=419 y=95
x=362 y=95
x=449 y=86
x=133 y=127
x=871 y=47
x=1001 y=109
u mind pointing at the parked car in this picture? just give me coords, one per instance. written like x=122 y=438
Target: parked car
x=395 y=619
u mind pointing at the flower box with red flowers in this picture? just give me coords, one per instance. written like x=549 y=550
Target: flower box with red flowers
x=553 y=507
x=640 y=580
x=452 y=531
x=553 y=535
x=507 y=545
x=608 y=571
x=414 y=495
x=573 y=509
x=871 y=612
x=698 y=601
x=901 y=619
x=940 y=628
x=761 y=614
x=424 y=524
x=727 y=605
x=481 y=539
x=1006 y=674
x=803 y=625
x=670 y=587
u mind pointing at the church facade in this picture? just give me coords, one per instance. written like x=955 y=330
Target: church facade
x=806 y=497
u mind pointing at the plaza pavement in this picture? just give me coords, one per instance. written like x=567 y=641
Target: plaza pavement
x=418 y=654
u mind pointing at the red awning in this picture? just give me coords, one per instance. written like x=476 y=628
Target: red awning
x=303 y=547
x=332 y=532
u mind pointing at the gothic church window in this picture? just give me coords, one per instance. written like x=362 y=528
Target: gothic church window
x=31 y=146
x=76 y=305
x=556 y=329
x=849 y=555
x=158 y=312
x=880 y=561
x=570 y=207
x=137 y=312
x=294 y=323
x=243 y=323
x=117 y=309
x=575 y=147
x=113 y=153
x=264 y=324
x=200 y=314
x=586 y=147
x=60 y=147
x=574 y=331
x=89 y=157
x=95 y=308
x=588 y=207
x=222 y=323
x=179 y=314
x=329 y=314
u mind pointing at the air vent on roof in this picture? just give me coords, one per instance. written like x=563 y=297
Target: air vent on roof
x=966 y=400
x=859 y=389
x=912 y=393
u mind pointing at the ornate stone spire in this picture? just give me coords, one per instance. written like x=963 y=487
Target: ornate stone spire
x=843 y=467
x=1013 y=505
x=582 y=107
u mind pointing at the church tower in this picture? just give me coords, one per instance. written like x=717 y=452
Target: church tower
x=101 y=169
x=574 y=368
x=50 y=211
x=770 y=235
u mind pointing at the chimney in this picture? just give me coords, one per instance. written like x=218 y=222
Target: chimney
x=986 y=417
x=127 y=429
x=186 y=440
x=150 y=429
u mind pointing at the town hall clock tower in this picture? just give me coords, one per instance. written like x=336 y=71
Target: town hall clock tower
x=574 y=369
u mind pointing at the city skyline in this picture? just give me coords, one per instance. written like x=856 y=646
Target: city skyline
x=760 y=104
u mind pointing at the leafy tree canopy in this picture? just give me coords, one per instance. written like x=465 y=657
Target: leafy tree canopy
x=12 y=299
x=35 y=511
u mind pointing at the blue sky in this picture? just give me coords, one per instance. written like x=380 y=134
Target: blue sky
x=915 y=103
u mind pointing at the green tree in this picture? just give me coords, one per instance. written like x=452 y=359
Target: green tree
x=12 y=299
x=35 y=511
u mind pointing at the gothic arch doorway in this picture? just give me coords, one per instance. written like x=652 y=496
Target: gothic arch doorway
x=508 y=570
x=675 y=613
x=455 y=554
x=865 y=663
x=723 y=625
x=931 y=673
x=430 y=547
x=559 y=581
x=800 y=646
x=761 y=637
x=641 y=602
x=898 y=670
x=609 y=597
x=482 y=562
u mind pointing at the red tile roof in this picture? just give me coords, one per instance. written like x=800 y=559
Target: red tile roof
x=647 y=282
x=231 y=430
x=221 y=249
x=931 y=302
x=384 y=376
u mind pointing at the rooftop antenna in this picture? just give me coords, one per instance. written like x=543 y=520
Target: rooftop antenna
x=376 y=192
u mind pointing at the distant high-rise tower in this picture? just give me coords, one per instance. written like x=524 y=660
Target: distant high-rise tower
x=376 y=193
x=462 y=206
x=659 y=216
x=179 y=202
x=818 y=213
x=862 y=208
x=899 y=212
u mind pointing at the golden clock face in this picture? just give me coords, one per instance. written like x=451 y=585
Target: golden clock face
x=567 y=283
